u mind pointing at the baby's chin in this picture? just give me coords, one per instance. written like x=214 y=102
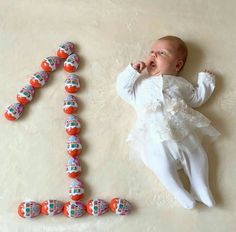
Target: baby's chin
x=157 y=72
x=153 y=72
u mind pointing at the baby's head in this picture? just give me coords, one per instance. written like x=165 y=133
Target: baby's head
x=167 y=56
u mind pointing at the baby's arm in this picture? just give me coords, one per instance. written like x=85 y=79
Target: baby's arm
x=126 y=81
x=197 y=96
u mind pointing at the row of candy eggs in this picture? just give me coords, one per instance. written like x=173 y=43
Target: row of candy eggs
x=98 y=207
x=74 y=148
x=51 y=63
x=72 y=126
x=39 y=79
x=74 y=209
x=65 y=51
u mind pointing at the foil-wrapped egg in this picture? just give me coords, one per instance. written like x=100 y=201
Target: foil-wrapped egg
x=26 y=94
x=29 y=209
x=72 y=83
x=52 y=207
x=74 y=146
x=72 y=63
x=72 y=125
x=50 y=63
x=39 y=79
x=74 y=209
x=120 y=206
x=97 y=207
x=70 y=104
x=65 y=50
x=73 y=168
x=14 y=111
x=76 y=190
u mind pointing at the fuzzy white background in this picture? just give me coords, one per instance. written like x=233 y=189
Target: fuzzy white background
x=109 y=34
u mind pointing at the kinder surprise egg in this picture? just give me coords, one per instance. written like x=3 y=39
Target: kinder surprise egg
x=96 y=207
x=74 y=209
x=72 y=125
x=39 y=79
x=29 y=209
x=120 y=206
x=26 y=94
x=52 y=207
x=71 y=63
x=50 y=63
x=74 y=146
x=72 y=83
x=76 y=190
x=65 y=50
x=73 y=168
x=14 y=111
x=70 y=104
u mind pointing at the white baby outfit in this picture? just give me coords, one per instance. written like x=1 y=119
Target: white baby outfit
x=168 y=132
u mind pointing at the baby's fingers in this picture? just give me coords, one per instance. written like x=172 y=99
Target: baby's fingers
x=208 y=71
x=142 y=66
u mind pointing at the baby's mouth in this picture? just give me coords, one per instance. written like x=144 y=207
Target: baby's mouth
x=152 y=64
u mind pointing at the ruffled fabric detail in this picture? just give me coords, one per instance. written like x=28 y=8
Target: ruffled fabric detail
x=173 y=120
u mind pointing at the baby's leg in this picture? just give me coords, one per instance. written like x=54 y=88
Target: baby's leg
x=164 y=166
x=196 y=167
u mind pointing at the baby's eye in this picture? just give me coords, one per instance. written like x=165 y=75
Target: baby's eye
x=162 y=53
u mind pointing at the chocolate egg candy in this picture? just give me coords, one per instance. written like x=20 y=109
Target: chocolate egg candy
x=120 y=206
x=65 y=50
x=14 y=111
x=71 y=63
x=96 y=207
x=74 y=146
x=26 y=94
x=50 y=63
x=70 y=104
x=72 y=83
x=52 y=207
x=76 y=190
x=74 y=209
x=72 y=125
x=29 y=209
x=39 y=79
x=73 y=168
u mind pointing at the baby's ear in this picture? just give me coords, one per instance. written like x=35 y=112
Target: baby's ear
x=179 y=65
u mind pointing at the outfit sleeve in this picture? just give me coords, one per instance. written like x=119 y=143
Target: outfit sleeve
x=197 y=96
x=125 y=84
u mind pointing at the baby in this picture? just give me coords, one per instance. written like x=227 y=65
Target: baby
x=168 y=133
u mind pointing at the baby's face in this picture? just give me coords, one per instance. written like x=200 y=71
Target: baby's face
x=164 y=58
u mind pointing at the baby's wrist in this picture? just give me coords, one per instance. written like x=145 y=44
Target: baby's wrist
x=206 y=77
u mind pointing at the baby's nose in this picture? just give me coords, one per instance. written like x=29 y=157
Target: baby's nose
x=153 y=54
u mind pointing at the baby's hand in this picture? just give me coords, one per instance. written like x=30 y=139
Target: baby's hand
x=208 y=71
x=139 y=66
